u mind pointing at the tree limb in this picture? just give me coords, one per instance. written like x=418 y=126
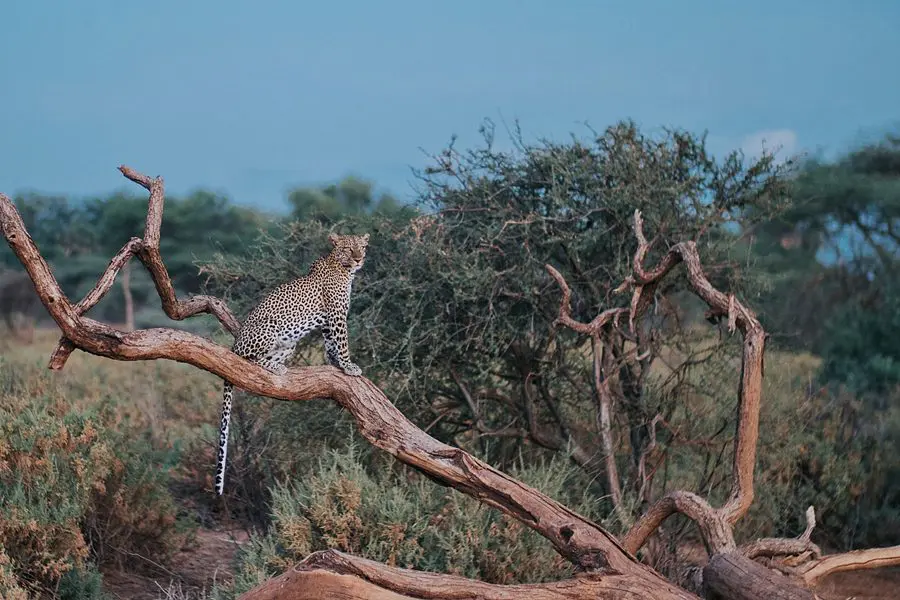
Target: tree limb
x=716 y=533
x=601 y=383
x=147 y=251
x=733 y=575
x=749 y=390
x=352 y=577
x=786 y=546
x=857 y=560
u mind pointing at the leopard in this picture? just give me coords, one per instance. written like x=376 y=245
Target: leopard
x=320 y=300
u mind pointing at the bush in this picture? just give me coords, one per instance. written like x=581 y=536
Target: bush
x=78 y=484
x=818 y=447
x=9 y=584
x=357 y=503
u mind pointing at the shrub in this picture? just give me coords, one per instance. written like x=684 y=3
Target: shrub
x=352 y=503
x=78 y=484
x=9 y=584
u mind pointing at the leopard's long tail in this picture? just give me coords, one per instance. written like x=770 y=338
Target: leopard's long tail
x=227 y=396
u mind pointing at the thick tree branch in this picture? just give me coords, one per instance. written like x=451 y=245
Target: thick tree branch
x=857 y=560
x=716 y=533
x=733 y=575
x=351 y=577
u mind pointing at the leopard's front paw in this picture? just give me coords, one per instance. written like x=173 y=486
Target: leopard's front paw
x=352 y=369
x=278 y=369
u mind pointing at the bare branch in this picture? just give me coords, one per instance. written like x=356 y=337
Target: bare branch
x=476 y=414
x=147 y=251
x=810 y=524
x=857 y=560
x=749 y=389
x=565 y=309
x=602 y=366
x=768 y=547
x=601 y=383
x=800 y=546
x=715 y=531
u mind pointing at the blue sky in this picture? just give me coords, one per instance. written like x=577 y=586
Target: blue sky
x=253 y=98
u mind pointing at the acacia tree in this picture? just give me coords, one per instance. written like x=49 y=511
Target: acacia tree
x=608 y=566
x=458 y=317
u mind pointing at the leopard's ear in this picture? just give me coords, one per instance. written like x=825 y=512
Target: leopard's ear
x=333 y=238
x=365 y=238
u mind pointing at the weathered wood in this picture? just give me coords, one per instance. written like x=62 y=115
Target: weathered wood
x=716 y=533
x=733 y=576
x=857 y=560
x=338 y=575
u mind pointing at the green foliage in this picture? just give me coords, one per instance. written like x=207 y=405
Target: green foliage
x=349 y=197
x=81 y=584
x=836 y=244
x=861 y=349
x=824 y=449
x=77 y=483
x=354 y=504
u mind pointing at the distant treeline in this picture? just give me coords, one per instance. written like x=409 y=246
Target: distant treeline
x=825 y=252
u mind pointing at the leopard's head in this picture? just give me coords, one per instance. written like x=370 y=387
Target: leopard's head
x=349 y=250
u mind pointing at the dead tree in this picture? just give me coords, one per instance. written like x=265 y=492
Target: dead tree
x=606 y=566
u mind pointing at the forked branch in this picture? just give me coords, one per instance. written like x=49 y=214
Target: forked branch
x=644 y=283
x=147 y=251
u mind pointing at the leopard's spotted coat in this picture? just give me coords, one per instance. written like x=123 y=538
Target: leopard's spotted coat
x=319 y=300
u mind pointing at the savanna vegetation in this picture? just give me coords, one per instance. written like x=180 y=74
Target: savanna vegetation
x=106 y=466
